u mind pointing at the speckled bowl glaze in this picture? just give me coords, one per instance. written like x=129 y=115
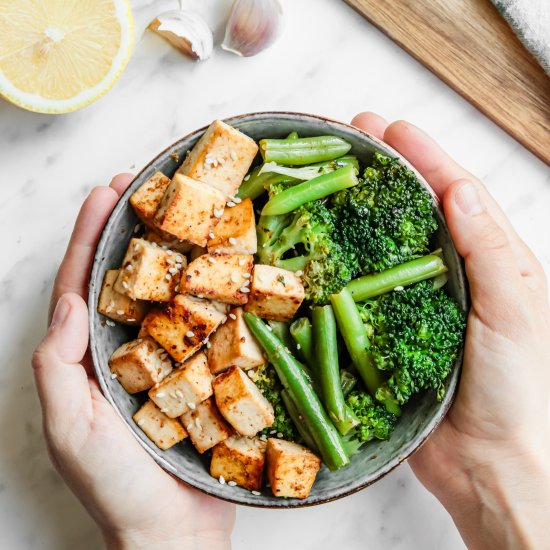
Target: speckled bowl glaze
x=419 y=419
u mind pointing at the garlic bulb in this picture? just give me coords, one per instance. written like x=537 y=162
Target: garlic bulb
x=253 y=26
x=186 y=31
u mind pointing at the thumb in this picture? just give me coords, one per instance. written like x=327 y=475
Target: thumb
x=62 y=383
x=491 y=264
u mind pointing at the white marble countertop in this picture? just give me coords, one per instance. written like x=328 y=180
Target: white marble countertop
x=330 y=62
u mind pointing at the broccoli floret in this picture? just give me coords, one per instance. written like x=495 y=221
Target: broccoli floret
x=305 y=240
x=268 y=383
x=375 y=420
x=415 y=335
x=385 y=220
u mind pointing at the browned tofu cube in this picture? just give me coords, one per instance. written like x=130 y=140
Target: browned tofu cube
x=236 y=232
x=184 y=388
x=241 y=460
x=189 y=210
x=241 y=402
x=140 y=364
x=146 y=199
x=291 y=468
x=163 y=431
x=206 y=426
x=183 y=247
x=275 y=293
x=184 y=325
x=233 y=345
x=221 y=158
x=221 y=277
x=149 y=272
x=117 y=306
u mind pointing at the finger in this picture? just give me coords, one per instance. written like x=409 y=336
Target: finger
x=73 y=273
x=440 y=170
x=495 y=280
x=371 y=123
x=62 y=383
x=121 y=182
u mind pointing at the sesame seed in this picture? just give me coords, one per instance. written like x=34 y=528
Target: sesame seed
x=155 y=244
x=263 y=437
x=198 y=423
x=164 y=247
x=173 y=395
x=192 y=406
x=110 y=323
x=234 y=278
x=244 y=289
x=279 y=435
x=124 y=284
x=113 y=375
x=205 y=341
x=120 y=312
x=160 y=351
x=208 y=345
x=217 y=251
x=298 y=346
x=214 y=163
x=109 y=309
x=299 y=273
x=271 y=432
x=242 y=262
x=257 y=493
x=399 y=288
x=211 y=235
x=251 y=373
x=246 y=178
x=131 y=320
x=200 y=295
x=164 y=411
x=221 y=479
x=189 y=334
x=231 y=204
x=137 y=227
x=212 y=260
x=136 y=247
x=179 y=393
x=232 y=240
x=169 y=261
x=269 y=328
x=232 y=316
x=130 y=268
x=178 y=258
x=169 y=252
x=231 y=483
x=238 y=200
x=233 y=155
x=141 y=421
x=179 y=266
x=246 y=275
x=177 y=364
x=218 y=213
x=168 y=277
x=173 y=270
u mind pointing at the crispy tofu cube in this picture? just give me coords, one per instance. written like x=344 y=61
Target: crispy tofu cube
x=233 y=345
x=140 y=364
x=146 y=199
x=142 y=332
x=236 y=232
x=149 y=272
x=117 y=306
x=184 y=388
x=163 y=431
x=189 y=210
x=183 y=325
x=291 y=468
x=241 y=402
x=275 y=293
x=206 y=426
x=221 y=158
x=239 y=459
x=183 y=247
x=222 y=277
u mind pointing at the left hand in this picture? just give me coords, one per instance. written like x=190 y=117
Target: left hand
x=135 y=503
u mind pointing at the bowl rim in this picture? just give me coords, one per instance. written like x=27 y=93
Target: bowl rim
x=408 y=449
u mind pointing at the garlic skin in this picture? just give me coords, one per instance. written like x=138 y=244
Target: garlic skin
x=253 y=26
x=186 y=31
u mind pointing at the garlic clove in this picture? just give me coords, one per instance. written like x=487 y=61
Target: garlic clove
x=186 y=31
x=253 y=26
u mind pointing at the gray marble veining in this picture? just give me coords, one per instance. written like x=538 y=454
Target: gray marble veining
x=330 y=62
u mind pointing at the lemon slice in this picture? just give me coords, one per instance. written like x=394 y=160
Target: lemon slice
x=58 y=56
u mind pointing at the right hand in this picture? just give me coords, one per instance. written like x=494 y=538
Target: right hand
x=488 y=461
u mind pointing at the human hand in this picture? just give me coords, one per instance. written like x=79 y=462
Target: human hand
x=135 y=503
x=488 y=461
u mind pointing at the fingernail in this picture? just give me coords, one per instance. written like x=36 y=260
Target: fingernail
x=468 y=200
x=61 y=311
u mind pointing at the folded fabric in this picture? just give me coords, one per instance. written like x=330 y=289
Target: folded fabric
x=530 y=20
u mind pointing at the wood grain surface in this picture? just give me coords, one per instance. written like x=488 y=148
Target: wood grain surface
x=470 y=46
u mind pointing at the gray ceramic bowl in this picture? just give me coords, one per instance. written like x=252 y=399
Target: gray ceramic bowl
x=377 y=458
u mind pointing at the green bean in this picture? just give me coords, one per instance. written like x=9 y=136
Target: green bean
x=324 y=334
x=298 y=421
x=282 y=331
x=396 y=277
x=308 y=405
x=302 y=333
x=303 y=150
x=257 y=183
x=316 y=188
x=348 y=381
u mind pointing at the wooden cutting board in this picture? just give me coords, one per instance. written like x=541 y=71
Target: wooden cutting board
x=470 y=46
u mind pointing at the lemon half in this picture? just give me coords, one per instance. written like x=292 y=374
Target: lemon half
x=57 y=56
